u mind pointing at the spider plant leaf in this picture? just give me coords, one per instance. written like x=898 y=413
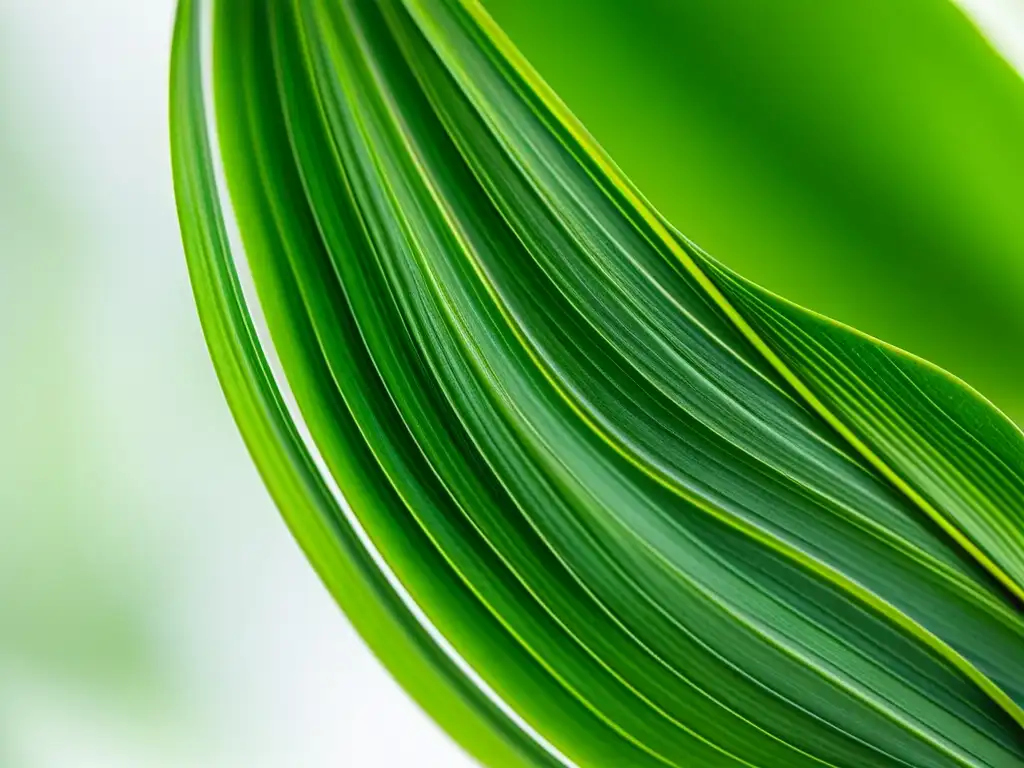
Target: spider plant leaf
x=602 y=502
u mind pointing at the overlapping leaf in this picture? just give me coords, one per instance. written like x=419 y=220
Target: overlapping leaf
x=605 y=503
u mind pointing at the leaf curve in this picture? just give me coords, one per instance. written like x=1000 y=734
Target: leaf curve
x=605 y=503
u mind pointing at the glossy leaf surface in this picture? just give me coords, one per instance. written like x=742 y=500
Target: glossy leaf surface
x=605 y=503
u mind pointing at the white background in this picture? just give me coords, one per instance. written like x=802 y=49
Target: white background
x=154 y=611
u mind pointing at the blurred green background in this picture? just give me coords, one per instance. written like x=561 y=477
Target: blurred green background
x=862 y=157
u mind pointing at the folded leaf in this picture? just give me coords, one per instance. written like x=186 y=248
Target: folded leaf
x=602 y=502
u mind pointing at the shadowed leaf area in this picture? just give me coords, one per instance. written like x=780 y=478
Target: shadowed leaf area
x=606 y=503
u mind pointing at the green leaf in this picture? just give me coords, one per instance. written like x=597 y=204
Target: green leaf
x=602 y=502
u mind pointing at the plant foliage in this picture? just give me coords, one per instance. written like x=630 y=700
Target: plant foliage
x=605 y=503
